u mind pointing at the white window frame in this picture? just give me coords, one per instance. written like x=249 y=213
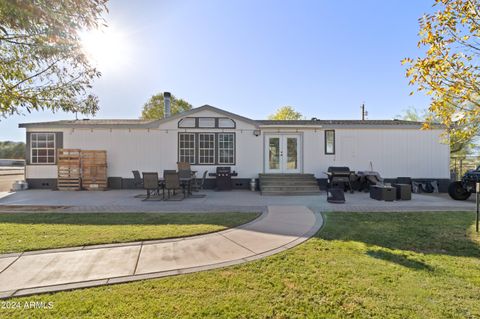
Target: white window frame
x=200 y=149
x=180 y=159
x=220 y=148
x=34 y=137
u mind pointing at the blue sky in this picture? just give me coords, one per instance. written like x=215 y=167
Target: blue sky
x=250 y=57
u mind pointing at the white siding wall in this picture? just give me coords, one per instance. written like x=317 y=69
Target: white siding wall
x=154 y=149
x=127 y=150
x=41 y=171
x=392 y=152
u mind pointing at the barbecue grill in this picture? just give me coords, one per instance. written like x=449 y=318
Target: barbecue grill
x=339 y=177
x=224 y=178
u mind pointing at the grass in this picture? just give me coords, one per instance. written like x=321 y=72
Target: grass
x=33 y=231
x=360 y=265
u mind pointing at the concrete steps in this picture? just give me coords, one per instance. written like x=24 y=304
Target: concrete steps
x=288 y=184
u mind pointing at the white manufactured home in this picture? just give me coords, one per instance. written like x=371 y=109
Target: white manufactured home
x=208 y=137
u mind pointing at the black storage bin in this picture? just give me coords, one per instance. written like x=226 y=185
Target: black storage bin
x=387 y=193
x=403 y=191
x=115 y=182
x=404 y=180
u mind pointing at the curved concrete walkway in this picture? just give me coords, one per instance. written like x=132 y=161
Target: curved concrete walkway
x=278 y=229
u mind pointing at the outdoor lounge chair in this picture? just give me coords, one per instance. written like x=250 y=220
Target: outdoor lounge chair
x=172 y=183
x=150 y=183
x=374 y=180
x=369 y=178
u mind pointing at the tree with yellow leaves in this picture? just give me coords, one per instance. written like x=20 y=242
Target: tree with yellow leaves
x=286 y=113
x=449 y=71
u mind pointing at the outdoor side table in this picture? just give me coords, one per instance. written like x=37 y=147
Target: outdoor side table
x=380 y=192
x=403 y=191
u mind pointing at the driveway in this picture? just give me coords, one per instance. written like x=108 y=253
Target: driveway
x=8 y=175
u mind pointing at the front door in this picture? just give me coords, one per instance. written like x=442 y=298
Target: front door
x=283 y=153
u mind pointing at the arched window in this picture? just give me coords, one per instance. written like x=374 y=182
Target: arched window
x=187 y=122
x=226 y=123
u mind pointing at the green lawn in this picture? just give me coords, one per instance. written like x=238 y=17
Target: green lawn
x=360 y=265
x=32 y=231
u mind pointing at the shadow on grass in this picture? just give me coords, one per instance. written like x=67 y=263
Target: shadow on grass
x=449 y=233
x=399 y=259
x=221 y=219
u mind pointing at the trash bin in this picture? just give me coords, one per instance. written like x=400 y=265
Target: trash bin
x=253 y=185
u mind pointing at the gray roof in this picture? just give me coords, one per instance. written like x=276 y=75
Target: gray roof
x=338 y=122
x=87 y=123
x=128 y=123
x=139 y=123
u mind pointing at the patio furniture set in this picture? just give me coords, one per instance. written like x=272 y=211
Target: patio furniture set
x=341 y=179
x=165 y=188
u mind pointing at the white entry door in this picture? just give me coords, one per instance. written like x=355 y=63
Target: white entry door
x=282 y=153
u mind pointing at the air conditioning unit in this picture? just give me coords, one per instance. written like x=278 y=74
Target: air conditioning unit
x=19 y=186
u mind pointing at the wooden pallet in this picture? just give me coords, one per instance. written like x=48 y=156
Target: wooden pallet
x=68 y=169
x=94 y=170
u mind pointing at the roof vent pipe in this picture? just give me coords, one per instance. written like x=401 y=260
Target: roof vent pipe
x=167 y=102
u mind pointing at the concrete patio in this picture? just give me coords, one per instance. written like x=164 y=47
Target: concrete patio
x=278 y=229
x=237 y=201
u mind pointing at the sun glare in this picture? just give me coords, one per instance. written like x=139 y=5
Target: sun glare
x=106 y=48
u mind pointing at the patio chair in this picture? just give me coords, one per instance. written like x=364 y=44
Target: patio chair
x=183 y=166
x=150 y=183
x=186 y=174
x=165 y=173
x=172 y=183
x=197 y=186
x=168 y=171
x=137 y=179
